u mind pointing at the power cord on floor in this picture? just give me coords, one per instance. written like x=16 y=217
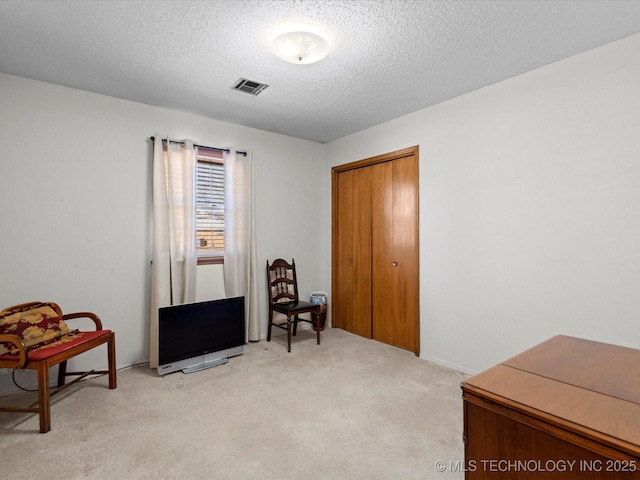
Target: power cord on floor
x=139 y=364
x=13 y=375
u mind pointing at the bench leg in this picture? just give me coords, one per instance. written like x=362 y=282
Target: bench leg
x=111 y=357
x=44 y=398
x=62 y=370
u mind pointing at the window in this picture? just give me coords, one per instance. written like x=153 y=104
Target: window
x=210 y=206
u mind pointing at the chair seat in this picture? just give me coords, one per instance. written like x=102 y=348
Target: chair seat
x=292 y=307
x=65 y=343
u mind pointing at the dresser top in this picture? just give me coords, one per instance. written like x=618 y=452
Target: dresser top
x=600 y=367
x=588 y=387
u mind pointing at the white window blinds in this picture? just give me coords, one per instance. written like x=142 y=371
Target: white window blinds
x=210 y=203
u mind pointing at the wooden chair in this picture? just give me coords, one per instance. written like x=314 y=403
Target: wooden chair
x=41 y=340
x=282 y=284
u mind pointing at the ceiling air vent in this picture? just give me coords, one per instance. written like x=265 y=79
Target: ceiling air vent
x=249 y=86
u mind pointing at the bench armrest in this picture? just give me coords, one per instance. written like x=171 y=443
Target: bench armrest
x=92 y=316
x=22 y=351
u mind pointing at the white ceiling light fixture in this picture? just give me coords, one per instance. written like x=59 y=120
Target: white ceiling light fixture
x=300 y=47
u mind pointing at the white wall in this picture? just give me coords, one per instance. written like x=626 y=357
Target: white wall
x=529 y=208
x=75 y=203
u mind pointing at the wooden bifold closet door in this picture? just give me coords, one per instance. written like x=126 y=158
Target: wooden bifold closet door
x=375 y=248
x=352 y=299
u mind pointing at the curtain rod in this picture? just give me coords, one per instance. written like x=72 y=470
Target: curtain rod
x=226 y=150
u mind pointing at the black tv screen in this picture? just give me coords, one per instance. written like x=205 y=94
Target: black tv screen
x=201 y=332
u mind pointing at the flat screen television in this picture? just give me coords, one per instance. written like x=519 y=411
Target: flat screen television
x=195 y=336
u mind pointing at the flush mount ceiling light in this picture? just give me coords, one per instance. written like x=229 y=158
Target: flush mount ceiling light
x=300 y=47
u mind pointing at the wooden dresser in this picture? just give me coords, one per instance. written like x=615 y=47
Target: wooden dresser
x=568 y=409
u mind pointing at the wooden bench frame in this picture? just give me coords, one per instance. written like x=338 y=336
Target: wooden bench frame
x=42 y=365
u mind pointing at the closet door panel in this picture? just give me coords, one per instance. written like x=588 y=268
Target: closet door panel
x=384 y=282
x=405 y=252
x=361 y=301
x=352 y=310
x=343 y=244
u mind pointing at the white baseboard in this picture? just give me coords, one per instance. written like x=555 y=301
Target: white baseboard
x=451 y=366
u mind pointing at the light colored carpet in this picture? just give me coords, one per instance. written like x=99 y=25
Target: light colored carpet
x=350 y=408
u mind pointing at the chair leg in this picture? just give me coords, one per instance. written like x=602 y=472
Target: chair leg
x=62 y=370
x=295 y=325
x=44 y=398
x=318 y=331
x=269 y=327
x=288 y=334
x=111 y=359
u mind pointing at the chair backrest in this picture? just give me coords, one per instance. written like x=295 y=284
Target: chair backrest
x=282 y=282
x=34 y=323
x=24 y=307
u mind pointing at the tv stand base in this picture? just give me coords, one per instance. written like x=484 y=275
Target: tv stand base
x=205 y=365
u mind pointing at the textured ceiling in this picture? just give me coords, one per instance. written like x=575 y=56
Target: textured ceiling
x=387 y=58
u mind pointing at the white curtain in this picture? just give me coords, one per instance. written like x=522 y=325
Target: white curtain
x=240 y=258
x=174 y=260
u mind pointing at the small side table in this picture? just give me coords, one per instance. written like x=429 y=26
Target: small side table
x=319 y=319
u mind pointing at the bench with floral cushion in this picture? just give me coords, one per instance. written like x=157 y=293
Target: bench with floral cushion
x=35 y=336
